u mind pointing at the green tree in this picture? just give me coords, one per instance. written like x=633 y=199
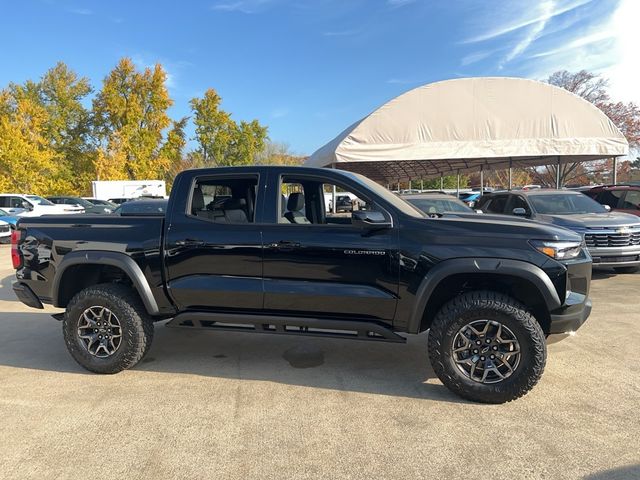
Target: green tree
x=222 y=141
x=130 y=116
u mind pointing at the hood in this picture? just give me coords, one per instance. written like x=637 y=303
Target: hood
x=583 y=221
x=500 y=226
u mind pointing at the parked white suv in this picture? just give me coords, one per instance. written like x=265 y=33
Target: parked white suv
x=5 y=232
x=32 y=205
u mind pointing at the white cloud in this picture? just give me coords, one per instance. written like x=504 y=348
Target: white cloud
x=399 y=3
x=242 y=6
x=341 y=33
x=475 y=57
x=608 y=48
x=80 y=11
x=510 y=25
x=624 y=74
x=280 y=112
x=546 y=9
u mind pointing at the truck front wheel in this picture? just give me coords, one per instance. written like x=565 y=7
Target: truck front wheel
x=106 y=328
x=486 y=347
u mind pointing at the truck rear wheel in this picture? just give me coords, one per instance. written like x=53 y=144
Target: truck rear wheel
x=106 y=328
x=486 y=347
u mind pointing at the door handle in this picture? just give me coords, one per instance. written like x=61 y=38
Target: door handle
x=189 y=242
x=284 y=245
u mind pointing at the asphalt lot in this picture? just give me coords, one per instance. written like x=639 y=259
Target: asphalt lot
x=216 y=405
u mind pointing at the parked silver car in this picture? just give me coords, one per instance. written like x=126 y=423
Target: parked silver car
x=613 y=238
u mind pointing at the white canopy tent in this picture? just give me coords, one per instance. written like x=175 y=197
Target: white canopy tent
x=470 y=125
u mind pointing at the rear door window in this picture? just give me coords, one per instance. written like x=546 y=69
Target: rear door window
x=610 y=197
x=632 y=200
x=230 y=200
x=497 y=204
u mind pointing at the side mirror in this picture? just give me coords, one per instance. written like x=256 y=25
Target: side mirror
x=607 y=208
x=26 y=205
x=369 y=219
x=521 y=212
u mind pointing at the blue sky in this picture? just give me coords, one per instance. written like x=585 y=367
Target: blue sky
x=309 y=68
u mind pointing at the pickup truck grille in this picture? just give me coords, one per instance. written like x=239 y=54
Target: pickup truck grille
x=612 y=237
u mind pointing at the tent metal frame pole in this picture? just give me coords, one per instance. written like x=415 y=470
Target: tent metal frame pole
x=421 y=184
x=510 y=174
x=333 y=195
x=441 y=182
x=614 y=176
x=558 y=182
x=398 y=186
x=481 y=179
x=458 y=185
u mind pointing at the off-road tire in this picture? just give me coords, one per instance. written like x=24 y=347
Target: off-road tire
x=487 y=305
x=137 y=327
x=626 y=269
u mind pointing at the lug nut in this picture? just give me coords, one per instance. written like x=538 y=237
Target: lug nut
x=478 y=342
x=482 y=358
x=495 y=347
x=475 y=350
x=492 y=357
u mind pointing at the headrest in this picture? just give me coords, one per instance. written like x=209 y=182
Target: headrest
x=283 y=204
x=197 y=202
x=295 y=202
x=235 y=204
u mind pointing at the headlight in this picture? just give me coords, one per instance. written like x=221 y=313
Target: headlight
x=558 y=250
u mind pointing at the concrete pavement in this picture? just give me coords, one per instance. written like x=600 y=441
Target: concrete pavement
x=217 y=405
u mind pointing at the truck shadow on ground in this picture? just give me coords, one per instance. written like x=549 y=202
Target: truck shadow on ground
x=34 y=341
x=629 y=472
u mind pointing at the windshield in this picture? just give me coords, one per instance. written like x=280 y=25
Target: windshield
x=3 y=213
x=439 y=205
x=565 y=204
x=82 y=202
x=392 y=198
x=38 y=200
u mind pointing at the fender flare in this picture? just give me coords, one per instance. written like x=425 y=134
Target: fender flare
x=516 y=268
x=114 y=259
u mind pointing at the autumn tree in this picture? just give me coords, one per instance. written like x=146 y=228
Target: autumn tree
x=222 y=141
x=130 y=117
x=593 y=88
x=171 y=150
x=278 y=153
x=27 y=162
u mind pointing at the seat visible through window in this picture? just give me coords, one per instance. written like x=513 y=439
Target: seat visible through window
x=224 y=200
x=295 y=209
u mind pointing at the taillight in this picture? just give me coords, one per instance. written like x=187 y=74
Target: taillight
x=16 y=258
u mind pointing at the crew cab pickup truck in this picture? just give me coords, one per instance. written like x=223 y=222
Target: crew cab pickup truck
x=254 y=249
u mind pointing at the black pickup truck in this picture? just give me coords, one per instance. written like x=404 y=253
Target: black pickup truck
x=258 y=249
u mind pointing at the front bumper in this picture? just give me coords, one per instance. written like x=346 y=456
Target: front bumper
x=569 y=319
x=576 y=308
x=615 y=256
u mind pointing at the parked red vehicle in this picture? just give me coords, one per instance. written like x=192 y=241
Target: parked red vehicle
x=622 y=198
